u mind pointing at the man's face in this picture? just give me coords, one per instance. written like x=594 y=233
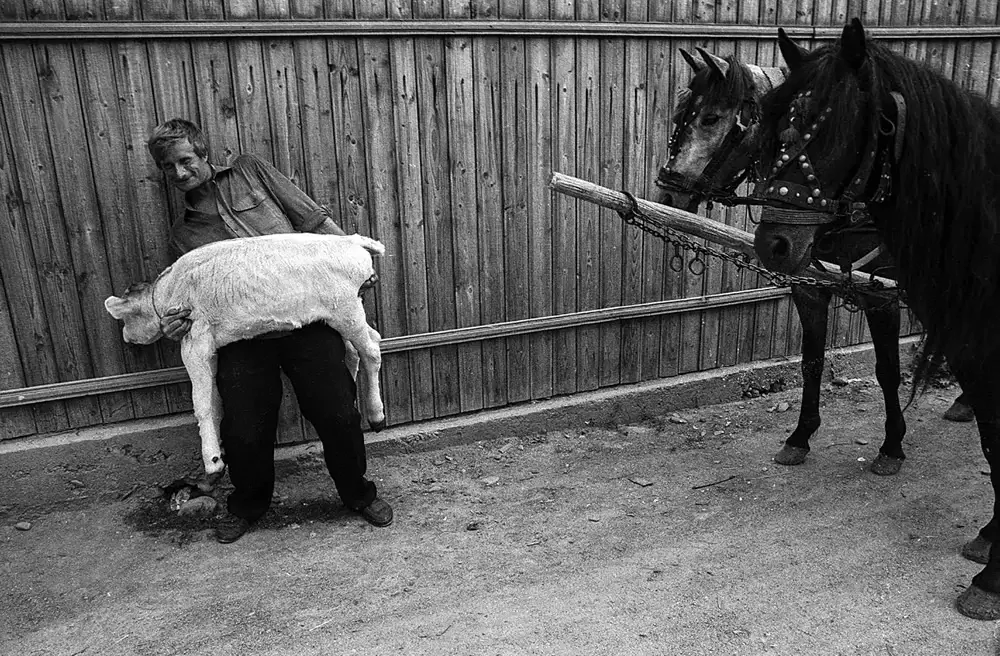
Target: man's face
x=185 y=169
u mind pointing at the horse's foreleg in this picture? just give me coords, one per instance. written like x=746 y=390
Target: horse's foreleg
x=883 y=321
x=981 y=600
x=813 y=308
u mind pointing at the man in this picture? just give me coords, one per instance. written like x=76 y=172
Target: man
x=249 y=198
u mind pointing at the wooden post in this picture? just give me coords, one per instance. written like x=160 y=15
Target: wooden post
x=716 y=232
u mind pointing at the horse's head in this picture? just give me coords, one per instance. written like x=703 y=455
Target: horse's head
x=713 y=144
x=827 y=149
x=710 y=118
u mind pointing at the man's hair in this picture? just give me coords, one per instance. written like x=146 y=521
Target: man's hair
x=170 y=132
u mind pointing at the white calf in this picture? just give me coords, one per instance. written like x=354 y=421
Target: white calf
x=242 y=288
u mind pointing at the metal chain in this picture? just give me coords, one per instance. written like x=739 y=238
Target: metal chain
x=852 y=293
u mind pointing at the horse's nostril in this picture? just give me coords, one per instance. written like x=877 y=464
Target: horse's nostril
x=667 y=199
x=780 y=248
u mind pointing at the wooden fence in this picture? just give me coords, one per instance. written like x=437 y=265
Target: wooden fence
x=432 y=126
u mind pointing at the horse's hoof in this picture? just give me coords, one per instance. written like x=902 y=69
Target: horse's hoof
x=979 y=604
x=884 y=465
x=959 y=412
x=377 y=426
x=791 y=455
x=977 y=550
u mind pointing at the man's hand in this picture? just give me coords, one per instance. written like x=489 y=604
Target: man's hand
x=368 y=284
x=175 y=323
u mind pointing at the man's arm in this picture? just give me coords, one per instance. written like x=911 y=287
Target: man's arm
x=328 y=227
x=305 y=214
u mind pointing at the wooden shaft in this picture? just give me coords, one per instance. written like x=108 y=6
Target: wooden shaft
x=692 y=224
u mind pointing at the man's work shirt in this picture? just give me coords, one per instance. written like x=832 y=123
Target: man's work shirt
x=248 y=198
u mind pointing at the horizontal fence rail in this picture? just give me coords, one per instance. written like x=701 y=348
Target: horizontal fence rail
x=105 y=30
x=124 y=382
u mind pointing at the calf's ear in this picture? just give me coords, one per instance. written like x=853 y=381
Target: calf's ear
x=115 y=306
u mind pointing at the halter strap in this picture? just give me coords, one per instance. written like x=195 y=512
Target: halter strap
x=900 y=127
x=152 y=292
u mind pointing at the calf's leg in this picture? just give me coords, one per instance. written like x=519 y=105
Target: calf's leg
x=355 y=330
x=199 y=357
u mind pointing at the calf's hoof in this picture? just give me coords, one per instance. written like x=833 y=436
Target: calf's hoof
x=884 y=465
x=979 y=604
x=977 y=550
x=791 y=455
x=959 y=412
x=215 y=466
x=207 y=482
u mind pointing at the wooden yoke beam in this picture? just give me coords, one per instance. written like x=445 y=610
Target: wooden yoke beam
x=692 y=224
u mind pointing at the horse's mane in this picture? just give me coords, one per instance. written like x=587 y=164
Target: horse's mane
x=737 y=86
x=942 y=221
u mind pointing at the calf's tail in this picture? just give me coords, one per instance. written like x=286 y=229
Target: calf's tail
x=373 y=246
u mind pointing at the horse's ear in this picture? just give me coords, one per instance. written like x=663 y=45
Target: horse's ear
x=692 y=62
x=792 y=53
x=852 y=44
x=716 y=63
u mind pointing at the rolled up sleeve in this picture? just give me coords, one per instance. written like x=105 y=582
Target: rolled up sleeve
x=304 y=213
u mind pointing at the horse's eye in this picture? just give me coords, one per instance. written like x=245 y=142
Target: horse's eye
x=708 y=120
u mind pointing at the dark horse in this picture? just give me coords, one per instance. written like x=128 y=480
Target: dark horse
x=715 y=147
x=858 y=128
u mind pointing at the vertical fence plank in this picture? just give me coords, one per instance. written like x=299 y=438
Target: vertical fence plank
x=637 y=176
x=413 y=213
x=432 y=102
x=590 y=121
x=564 y=208
x=514 y=142
x=681 y=332
x=541 y=163
x=610 y=118
x=462 y=162
x=488 y=129
x=660 y=101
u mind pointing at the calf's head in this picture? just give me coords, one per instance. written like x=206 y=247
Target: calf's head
x=135 y=308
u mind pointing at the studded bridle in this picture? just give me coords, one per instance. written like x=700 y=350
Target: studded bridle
x=810 y=204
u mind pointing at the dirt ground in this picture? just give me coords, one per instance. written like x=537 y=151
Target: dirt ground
x=678 y=535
